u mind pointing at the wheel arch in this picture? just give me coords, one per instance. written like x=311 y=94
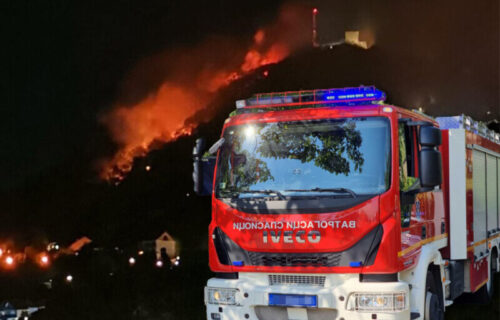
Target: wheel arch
x=430 y=259
x=494 y=255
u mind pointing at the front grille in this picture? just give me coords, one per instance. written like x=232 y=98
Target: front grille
x=295 y=280
x=295 y=259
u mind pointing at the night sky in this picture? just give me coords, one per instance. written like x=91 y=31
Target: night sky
x=66 y=62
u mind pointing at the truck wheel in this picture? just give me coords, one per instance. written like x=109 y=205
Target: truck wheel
x=493 y=270
x=433 y=306
x=495 y=262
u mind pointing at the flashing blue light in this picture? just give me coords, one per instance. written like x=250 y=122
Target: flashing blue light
x=335 y=97
x=292 y=300
x=355 y=264
x=352 y=95
x=238 y=263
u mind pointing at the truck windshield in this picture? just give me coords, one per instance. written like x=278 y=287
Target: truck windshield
x=341 y=158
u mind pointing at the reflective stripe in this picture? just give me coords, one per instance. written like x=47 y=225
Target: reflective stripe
x=480 y=285
x=470 y=248
x=421 y=243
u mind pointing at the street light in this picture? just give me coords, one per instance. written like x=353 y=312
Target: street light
x=131 y=261
x=44 y=260
x=9 y=261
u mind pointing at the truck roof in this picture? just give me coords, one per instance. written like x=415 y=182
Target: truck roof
x=310 y=104
x=302 y=98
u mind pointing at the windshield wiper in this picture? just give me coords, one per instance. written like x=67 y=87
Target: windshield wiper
x=270 y=192
x=337 y=190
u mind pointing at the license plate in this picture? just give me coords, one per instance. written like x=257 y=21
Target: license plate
x=293 y=300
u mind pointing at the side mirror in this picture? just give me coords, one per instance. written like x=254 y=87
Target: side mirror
x=198 y=147
x=197 y=172
x=429 y=136
x=430 y=157
x=203 y=169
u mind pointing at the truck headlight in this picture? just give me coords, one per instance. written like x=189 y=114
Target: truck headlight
x=377 y=302
x=220 y=295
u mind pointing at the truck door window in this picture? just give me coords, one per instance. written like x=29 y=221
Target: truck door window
x=406 y=139
x=406 y=157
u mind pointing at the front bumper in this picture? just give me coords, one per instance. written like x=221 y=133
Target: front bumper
x=252 y=298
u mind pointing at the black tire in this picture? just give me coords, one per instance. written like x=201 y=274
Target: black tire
x=433 y=304
x=493 y=270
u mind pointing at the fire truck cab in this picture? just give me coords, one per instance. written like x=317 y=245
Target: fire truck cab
x=332 y=204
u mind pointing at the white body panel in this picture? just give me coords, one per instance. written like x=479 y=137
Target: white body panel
x=417 y=276
x=498 y=193
x=333 y=297
x=458 y=212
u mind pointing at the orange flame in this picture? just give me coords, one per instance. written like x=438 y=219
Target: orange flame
x=161 y=116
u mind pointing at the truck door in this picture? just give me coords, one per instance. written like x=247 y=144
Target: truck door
x=407 y=170
x=422 y=216
x=410 y=206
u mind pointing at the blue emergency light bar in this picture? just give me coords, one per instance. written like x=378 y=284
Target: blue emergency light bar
x=337 y=97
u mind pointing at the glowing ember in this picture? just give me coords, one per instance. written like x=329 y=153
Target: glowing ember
x=259 y=37
x=161 y=116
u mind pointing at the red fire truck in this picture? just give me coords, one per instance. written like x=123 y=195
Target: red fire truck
x=332 y=204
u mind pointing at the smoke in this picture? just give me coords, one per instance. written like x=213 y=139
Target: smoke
x=166 y=90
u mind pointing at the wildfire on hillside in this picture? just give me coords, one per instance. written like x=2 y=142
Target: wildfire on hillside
x=191 y=80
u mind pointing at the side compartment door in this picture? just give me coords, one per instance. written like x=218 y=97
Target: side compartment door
x=491 y=194
x=479 y=226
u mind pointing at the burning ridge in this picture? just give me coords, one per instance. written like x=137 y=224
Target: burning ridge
x=165 y=91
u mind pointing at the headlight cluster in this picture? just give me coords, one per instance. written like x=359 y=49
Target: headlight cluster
x=377 y=301
x=220 y=296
